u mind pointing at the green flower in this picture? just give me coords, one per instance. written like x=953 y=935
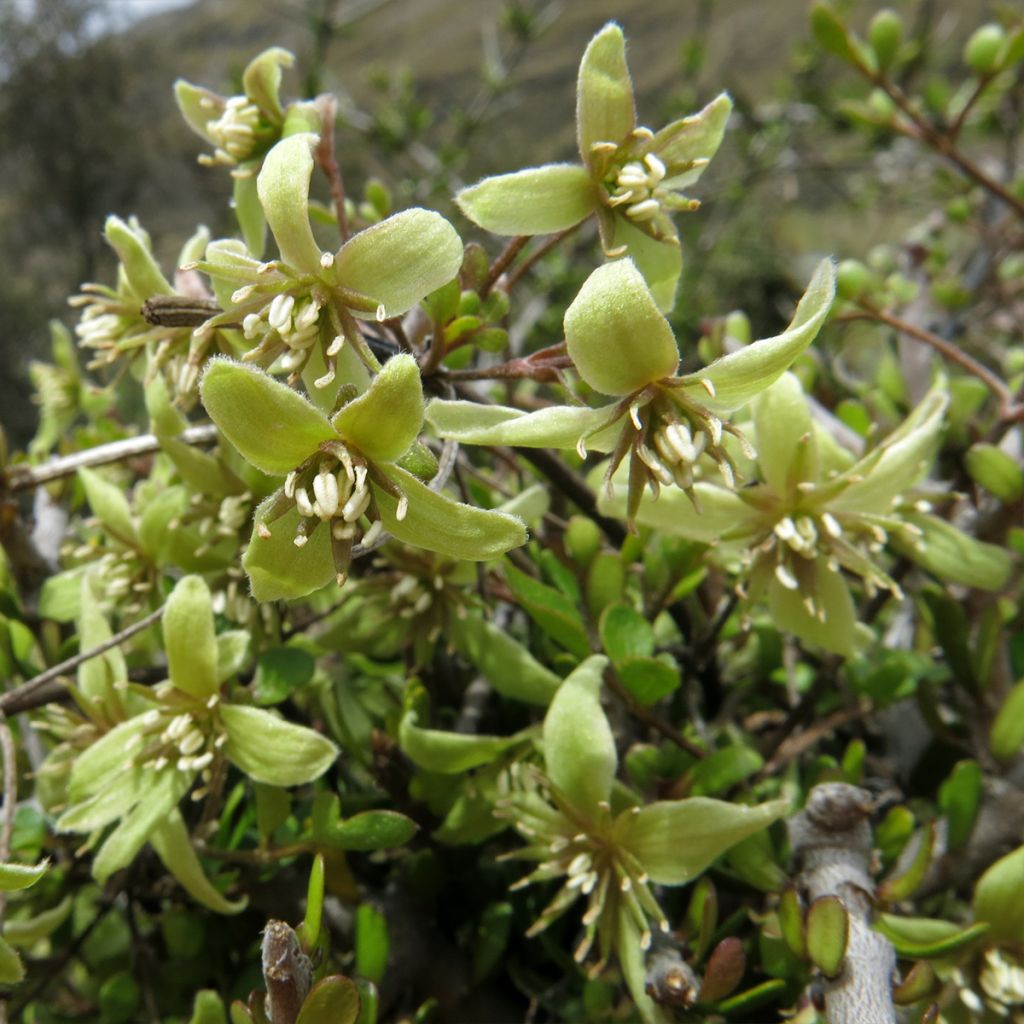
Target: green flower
x=630 y=177
x=623 y=346
x=343 y=484
x=612 y=856
x=300 y=311
x=185 y=731
x=818 y=517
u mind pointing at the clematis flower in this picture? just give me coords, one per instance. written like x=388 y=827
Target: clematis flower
x=817 y=517
x=343 y=484
x=612 y=857
x=623 y=346
x=630 y=177
x=300 y=311
x=137 y=773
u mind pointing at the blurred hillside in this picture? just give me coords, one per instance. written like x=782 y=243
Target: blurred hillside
x=434 y=93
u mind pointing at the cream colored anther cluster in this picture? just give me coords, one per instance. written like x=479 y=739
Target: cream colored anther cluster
x=233 y=132
x=638 y=185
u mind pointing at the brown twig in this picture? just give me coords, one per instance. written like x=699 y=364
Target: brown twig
x=500 y=265
x=10 y=757
x=23 y=478
x=516 y=274
x=948 y=350
x=37 y=691
x=328 y=162
x=645 y=715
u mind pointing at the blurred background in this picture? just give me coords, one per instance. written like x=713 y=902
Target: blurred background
x=434 y=94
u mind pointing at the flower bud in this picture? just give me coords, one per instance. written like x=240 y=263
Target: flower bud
x=885 y=34
x=984 y=49
x=853 y=279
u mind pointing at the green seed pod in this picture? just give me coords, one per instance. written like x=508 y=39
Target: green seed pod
x=880 y=105
x=984 y=49
x=885 y=34
x=853 y=279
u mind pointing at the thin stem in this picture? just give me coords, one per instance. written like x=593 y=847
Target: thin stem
x=328 y=162
x=955 y=128
x=645 y=715
x=37 y=692
x=542 y=250
x=10 y=757
x=23 y=478
x=948 y=350
x=500 y=265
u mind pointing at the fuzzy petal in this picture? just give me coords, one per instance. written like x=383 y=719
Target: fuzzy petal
x=605 y=107
x=278 y=570
x=283 y=188
x=190 y=639
x=660 y=262
x=782 y=423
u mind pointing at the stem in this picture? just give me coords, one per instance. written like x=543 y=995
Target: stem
x=499 y=266
x=541 y=251
x=328 y=162
x=948 y=350
x=651 y=720
x=37 y=692
x=23 y=478
x=10 y=757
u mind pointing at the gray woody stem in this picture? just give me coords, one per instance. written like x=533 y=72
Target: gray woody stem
x=831 y=841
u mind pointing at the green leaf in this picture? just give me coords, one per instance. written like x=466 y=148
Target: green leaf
x=537 y=201
x=723 y=769
x=558 y=426
x=278 y=570
x=20 y=876
x=373 y=830
x=739 y=376
x=579 y=749
x=27 y=931
x=828 y=928
x=649 y=679
x=616 y=334
x=272 y=426
x=383 y=421
x=660 y=262
x=279 y=671
x=954 y=555
x=435 y=522
x=400 y=260
x=109 y=505
x=12 y=971
x=555 y=613
x=783 y=427
x=693 y=138
x=832 y=35
x=1007 y=736
x=625 y=633
x=505 y=664
x=283 y=188
x=960 y=798
x=261 y=80
x=173 y=846
x=605 y=108
x=791 y=921
x=309 y=930
x=208 y=1008
x=675 y=840
x=997 y=471
x=132 y=248
x=449 y=752
x=97 y=676
x=137 y=825
x=914 y=937
x=371 y=945
x=269 y=749
x=111 y=798
x=332 y=1000
x=999 y=898
x=189 y=638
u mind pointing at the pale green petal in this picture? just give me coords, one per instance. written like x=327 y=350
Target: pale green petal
x=560 y=426
x=109 y=504
x=173 y=846
x=437 y=523
x=675 y=840
x=660 y=262
x=261 y=80
x=616 y=334
x=189 y=638
x=605 y=108
x=739 y=376
x=194 y=103
x=537 y=201
x=449 y=752
x=900 y=462
x=141 y=269
x=579 y=749
x=277 y=569
x=400 y=260
x=121 y=846
x=283 y=187
x=837 y=630
x=105 y=759
x=249 y=213
x=96 y=676
x=20 y=876
x=782 y=421
x=113 y=797
x=953 y=555
x=384 y=421
x=999 y=898
x=272 y=426
x=269 y=749
x=722 y=510
x=633 y=963
x=694 y=138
